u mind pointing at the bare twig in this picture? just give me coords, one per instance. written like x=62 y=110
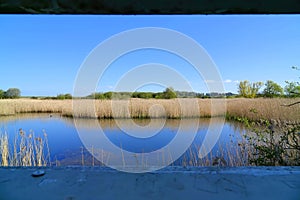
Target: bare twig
x=289 y=105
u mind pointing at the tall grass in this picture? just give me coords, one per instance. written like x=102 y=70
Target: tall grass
x=265 y=108
x=26 y=150
x=254 y=109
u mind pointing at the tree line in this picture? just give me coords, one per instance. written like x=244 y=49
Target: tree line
x=168 y=93
x=271 y=89
x=11 y=93
x=246 y=89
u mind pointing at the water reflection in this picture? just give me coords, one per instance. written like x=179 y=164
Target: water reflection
x=66 y=145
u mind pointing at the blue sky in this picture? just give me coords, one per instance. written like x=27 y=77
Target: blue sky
x=41 y=54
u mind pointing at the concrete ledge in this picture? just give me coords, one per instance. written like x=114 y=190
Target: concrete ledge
x=169 y=183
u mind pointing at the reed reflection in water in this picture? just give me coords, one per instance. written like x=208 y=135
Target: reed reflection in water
x=67 y=148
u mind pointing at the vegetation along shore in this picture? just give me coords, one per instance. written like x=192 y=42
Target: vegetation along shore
x=253 y=109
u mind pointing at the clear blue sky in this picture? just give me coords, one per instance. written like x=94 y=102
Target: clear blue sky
x=41 y=54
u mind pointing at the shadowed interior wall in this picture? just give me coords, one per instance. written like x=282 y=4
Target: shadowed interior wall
x=149 y=6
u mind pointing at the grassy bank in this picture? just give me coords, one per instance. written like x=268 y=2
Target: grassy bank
x=254 y=109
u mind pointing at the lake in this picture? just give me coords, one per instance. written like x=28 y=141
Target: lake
x=137 y=142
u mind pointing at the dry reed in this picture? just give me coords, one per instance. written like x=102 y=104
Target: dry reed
x=254 y=109
x=265 y=108
x=26 y=150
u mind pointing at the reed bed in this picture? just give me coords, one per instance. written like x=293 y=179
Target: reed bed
x=25 y=150
x=15 y=106
x=265 y=108
x=254 y=109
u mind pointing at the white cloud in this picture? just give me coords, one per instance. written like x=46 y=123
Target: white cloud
x=227 y=81
x=231 y=81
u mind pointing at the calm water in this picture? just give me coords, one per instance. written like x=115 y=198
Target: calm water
x=67 y=146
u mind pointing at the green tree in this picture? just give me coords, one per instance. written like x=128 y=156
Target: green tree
x=145 y=95
x=292 y=89
x=169 y=93
x=249 y=90
x=272 y=89
x=2 y=94
x=12 y=93
x=99 y=96
x=108 y=95
x=68 y=96
x=158 y=95
x=64 y=96
x=60 y=96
